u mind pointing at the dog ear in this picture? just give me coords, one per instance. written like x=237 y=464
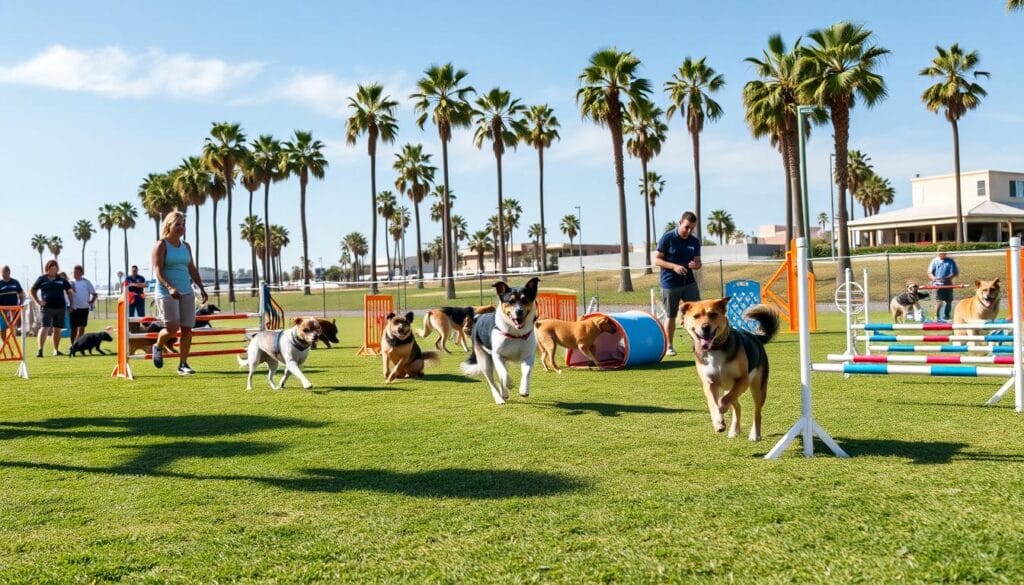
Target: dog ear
x=298 y=320
x=410 y=317
x=684 y=307
x=532 y=284
x=334 y=321
x=500 y=287
x=996 y=282
x=977 y=284
x=723 y=303
x=390 y=316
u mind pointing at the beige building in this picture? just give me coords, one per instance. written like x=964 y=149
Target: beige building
x=992 y=206
x=521 y=255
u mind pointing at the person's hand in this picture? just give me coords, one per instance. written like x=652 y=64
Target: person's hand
x=175 y=293
x=680 y=270
x=692 y=265
x=205 y=297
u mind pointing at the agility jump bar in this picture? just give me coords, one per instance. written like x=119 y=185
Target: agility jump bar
x=922 y=359
x=935 y=370
x=214 y=317
x=991 y=337
x=901 y=348
x=935 y=326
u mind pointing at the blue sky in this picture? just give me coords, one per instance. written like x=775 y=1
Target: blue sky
x=93 y=96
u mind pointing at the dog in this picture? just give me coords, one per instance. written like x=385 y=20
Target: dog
x=328 y=333
x=290 y=346
x=983 y=305
x=730 y=359
x=145 y=344
x=907 y=303
x=89 y=342
x=203 y=311
x=446 y=320
x=401 y=356
x=580 y=335
x=506 y=336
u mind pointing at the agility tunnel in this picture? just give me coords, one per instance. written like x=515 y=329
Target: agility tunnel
x=639 y=339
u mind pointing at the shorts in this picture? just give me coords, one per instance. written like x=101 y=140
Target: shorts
x=53 y=317
x=671 y=297
x=9 y=315
x=182 y=310
x=79 y=317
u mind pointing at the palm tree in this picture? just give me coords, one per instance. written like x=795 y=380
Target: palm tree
x=55 y=245
x=374 y=115
x=858 y=170
x=105 y=220
x=83 y=232
x=480 y=242
x=356 y=244
x=251 y=232
x=303 y=157
x=1012 y=5
x=193 y=185
x=654 y=185
x=536 y=232
x=442 y=98
x=823 y=222
x=415 y=176
x=570 y=226
x=876 y=192
x=222 y=151
x=955 y=93
x=386 y=205
x=499 y=120
x=265 y=153
x=124 y=216
x=721 y=224
x=540 y=131
x=434 y=252
x=279 y=240
x=252 y=179
x=148 y=193
x=611 y=73
x=513 y=212
x=399 y=223
x=841 y=69
x=672 y=226
x=690 y=92
x=39 y=244
x=460 y=231
x=646 y=132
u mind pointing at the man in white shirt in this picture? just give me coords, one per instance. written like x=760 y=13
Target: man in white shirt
x=82 y=300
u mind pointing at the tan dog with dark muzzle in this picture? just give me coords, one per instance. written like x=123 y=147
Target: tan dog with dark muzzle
x=400 y=354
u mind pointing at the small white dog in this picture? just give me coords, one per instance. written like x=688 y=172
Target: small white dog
x=290 y=346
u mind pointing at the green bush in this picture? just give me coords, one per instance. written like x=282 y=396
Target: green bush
x=928 y=247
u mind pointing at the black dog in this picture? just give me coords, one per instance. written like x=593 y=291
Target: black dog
x=89 y=342
x=207 y=309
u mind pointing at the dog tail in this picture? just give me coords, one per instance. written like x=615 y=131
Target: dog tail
x=767 y=318
x=471 y=367
x=241 y=362
x=432 y=358
x=427 y=325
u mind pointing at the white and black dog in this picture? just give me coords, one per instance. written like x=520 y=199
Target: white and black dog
x=290 y=346
x=505 y=336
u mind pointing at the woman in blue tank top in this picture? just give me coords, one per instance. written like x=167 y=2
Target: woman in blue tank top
x=175 y=272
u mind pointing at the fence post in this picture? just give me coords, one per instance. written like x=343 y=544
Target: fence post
x=323 y=294
x=583 y=283
x=888 y=277
x=480 y=279
x=721 y=279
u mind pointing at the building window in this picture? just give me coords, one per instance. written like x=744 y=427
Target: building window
x=1016 y=188
x=981 y=188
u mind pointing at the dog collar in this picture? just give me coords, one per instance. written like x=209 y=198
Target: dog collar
x=295 y=343
x=396 y=342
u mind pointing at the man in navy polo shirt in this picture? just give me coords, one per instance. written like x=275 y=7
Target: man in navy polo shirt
x=678 y=256
x=11 y=295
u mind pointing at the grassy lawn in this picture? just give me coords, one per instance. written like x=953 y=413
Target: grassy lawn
x=598 y=476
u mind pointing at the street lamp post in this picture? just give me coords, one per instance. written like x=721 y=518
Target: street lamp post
x=832 y=205
x=583 y=271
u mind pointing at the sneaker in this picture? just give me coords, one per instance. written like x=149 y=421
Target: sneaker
x=57 y=352
x=158 y=357
x=184 y=370
x=671 y=351
x=39 y=353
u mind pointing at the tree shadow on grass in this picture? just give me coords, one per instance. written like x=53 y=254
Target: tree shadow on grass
x=920 y=452
x=610 y=409
x=350 y=388
x=202 y=425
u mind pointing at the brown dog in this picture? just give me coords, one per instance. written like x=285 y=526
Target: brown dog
x=448 y=319
x=730 y=360
x=580 y=335
x=982 y=306
x=907 y=303
x=400 y=354
x=144 y=344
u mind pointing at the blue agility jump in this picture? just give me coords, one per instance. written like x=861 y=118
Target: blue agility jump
x=991 y=338
x=900 y=348
x=926 y=370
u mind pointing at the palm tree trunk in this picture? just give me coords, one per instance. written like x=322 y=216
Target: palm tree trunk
x=543 y=229
x=125 y=230
x=956 y=170
x=796 y=193
x=305 y=239
x=267 y=270
x=83 y=254
x=480 y=260
x=503 y=252
x=195 y=251
x=252 y=250
x=647 y=220
x=654 y=222
x=787 y=170
x=156 y=224
x=110 y=285
x=695 y=138
x=419 y=245
x=615 y=123
x=387 y=250
x=227 y=227
x=373 y=220
x=446 y=229
x=841 y=125
x=216 y=256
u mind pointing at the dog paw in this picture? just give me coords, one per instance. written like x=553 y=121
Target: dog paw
x=733 y=433
x=307 y=386
x=524 y=393
x=719 y=427
x=754 y=437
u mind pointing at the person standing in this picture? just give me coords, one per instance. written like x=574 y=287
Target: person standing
x=941 y=271
x=175 y=273
x=11 y=295
x=52 y=293
x=678 y=256
x=136 y=284
x=81 y=303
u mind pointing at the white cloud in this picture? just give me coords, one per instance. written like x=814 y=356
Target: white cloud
x=112 y=72
x=328 y=94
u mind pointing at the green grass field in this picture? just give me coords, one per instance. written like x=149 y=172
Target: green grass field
x=611 y=476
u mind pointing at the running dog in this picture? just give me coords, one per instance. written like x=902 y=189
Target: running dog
x=89 y=342
x=328 y=333
x=580 y=335
x=907 y=303
x=982 y=306
x=730 y=359
x=203 y=311
x=448 y=319
x=400 y=354
x=504 y=336
x=290 y=346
